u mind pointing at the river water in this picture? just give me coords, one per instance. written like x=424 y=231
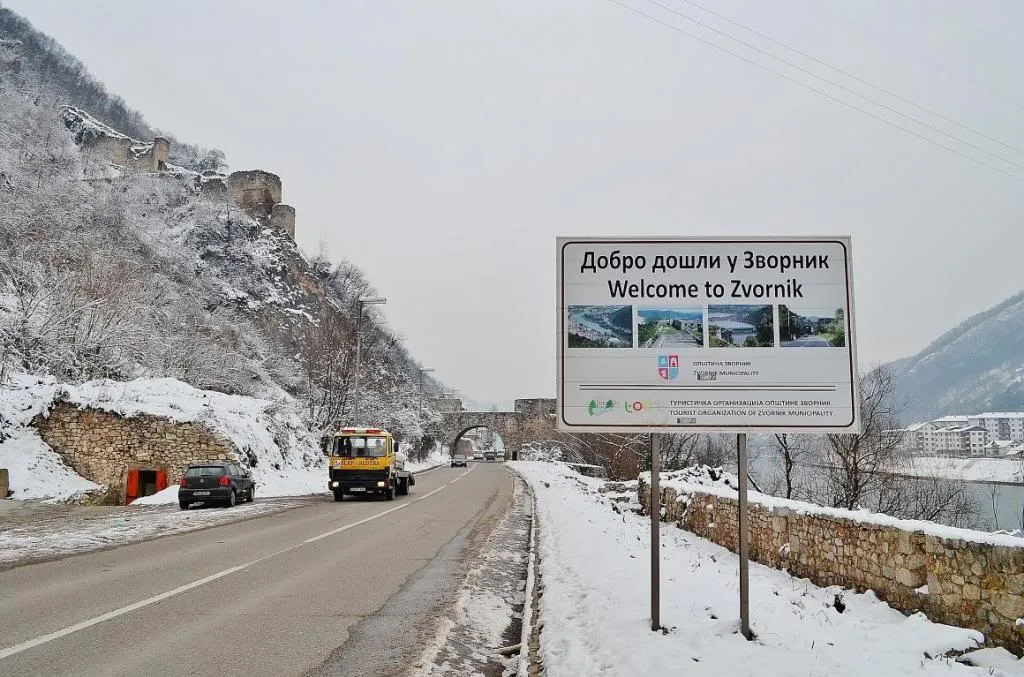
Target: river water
x=1000 y=506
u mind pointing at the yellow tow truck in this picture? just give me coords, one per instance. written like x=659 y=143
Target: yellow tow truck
x=366 y=461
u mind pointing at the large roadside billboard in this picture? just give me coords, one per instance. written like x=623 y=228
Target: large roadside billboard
x=706 y=334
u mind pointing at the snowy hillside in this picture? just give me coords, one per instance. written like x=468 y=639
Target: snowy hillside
x=273 y=439
x=976 y=367
x=115 y=272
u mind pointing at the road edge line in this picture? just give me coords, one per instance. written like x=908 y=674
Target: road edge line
x=528 y=654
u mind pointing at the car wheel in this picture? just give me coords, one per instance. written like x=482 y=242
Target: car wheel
x=252 y=494
x=183 y=505
x=232 y=499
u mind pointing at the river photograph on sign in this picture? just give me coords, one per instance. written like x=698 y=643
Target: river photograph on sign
x=601 y=327
x=741 y=326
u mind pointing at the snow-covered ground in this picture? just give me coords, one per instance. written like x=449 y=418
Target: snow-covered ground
x=483 y=618
x=968 y=469
x=595 y=564
x=79 y=531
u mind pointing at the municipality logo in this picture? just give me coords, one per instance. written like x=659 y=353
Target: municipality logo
x=596 y=408
x=668 y=367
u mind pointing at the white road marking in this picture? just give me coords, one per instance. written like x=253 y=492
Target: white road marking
x=64 y=632
x=444 y=486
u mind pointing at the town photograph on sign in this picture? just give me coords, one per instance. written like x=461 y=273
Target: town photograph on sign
x=702 y=330
x=668 y=327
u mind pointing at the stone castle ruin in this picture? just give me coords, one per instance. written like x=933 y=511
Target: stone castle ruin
x=255 y=192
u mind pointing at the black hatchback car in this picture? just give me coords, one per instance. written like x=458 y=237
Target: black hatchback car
x=217 y=482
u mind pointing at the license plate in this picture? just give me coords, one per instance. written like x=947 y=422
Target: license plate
x=200 y=493
x=358 y=488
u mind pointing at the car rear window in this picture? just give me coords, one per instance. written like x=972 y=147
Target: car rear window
x=205 y=471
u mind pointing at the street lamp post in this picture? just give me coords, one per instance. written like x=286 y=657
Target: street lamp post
x=422 y=372
x=373 y=300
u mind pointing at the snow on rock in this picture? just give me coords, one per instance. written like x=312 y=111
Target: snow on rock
x=269 y=434
x=37 y=471
x=685 y=483
x=595 y=567
x=999 y=660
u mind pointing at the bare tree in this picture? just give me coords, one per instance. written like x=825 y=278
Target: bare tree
x=791 y=450
x=855 y=465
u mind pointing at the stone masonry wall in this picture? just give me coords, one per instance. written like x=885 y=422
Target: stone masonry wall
x=970 y=584
x=103 y=447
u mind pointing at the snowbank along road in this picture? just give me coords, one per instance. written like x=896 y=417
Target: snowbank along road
x=330 y=588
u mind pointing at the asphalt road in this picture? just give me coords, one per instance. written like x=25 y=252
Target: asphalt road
x=808 y=342
x=331 y=588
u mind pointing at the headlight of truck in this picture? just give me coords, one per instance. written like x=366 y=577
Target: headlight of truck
x=380 y=484
x=335 y=484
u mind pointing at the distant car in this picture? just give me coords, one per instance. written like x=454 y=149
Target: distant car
x=459 y=460
x=478 y=456
x=489 y=456
x=217 y=482
x=501 y=455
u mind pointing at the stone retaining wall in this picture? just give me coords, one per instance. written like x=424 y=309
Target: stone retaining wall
x=103 y=447
x=970 y=584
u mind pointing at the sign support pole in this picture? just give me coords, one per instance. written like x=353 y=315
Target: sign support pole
x=655 y=532
x=741 y=448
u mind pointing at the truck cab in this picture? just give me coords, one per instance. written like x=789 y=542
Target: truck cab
x=366 y=461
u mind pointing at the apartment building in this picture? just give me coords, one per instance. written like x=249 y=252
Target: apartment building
x=988 y=434
x=1002 y=425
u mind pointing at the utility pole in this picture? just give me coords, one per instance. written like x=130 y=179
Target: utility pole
x=422 y=372
x=377 y=300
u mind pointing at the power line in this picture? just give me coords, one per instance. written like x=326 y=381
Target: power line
x=847 y=74
x=955 y=74
x=836 y=84
x=820 y=92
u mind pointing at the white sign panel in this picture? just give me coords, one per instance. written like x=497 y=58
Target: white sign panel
x=706 y=334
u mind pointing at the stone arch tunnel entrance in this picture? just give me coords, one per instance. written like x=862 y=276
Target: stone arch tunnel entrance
x=477 y=439
x=532 y=421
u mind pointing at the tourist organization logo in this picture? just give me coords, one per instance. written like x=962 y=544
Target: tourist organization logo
x=639 y=406
x=596 y=408
x=668 y=367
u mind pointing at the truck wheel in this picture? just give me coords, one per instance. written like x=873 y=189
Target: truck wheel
x=390 y=493
x=403 y=486
x=338 y=495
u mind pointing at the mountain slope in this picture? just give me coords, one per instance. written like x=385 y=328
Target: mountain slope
x=977 y=366
x=115 y=272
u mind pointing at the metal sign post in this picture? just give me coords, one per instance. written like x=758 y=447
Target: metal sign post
x=655 y=533
x=741 y=448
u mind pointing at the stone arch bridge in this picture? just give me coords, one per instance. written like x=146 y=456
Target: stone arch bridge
x=532 y=421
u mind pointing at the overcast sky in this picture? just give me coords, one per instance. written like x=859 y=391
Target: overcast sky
x=443 y=145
